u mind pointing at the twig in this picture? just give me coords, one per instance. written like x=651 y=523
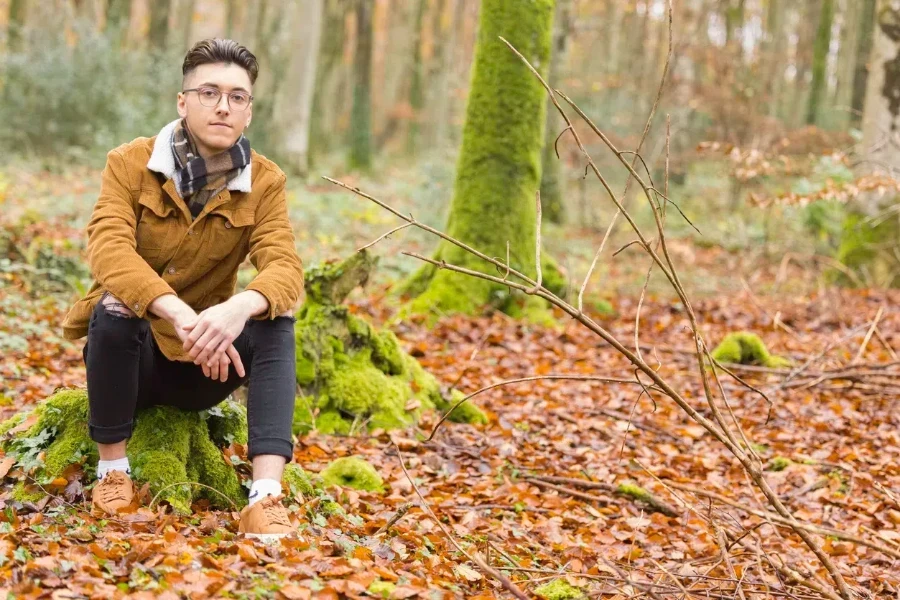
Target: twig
x=865 y=342
x=474 y=557
x=395 y=517
x=650 y=499
x=394 y=230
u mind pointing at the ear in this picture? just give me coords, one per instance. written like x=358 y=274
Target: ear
x=181 y=105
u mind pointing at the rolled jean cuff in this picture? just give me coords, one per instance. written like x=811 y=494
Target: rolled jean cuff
x=275 y=446
x=110 y=435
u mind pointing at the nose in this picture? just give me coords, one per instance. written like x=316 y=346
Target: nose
x=223 y=107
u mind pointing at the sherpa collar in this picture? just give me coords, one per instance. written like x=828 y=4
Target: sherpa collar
x=162 y=161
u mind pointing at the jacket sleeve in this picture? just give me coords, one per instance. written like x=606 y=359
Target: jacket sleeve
x=273 y=253
x=112 y=248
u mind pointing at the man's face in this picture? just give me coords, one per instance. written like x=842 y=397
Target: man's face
x=215 y=128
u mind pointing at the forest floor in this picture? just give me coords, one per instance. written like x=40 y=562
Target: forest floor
x=831 y=448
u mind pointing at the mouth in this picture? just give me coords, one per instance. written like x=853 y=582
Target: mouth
x=224 y=125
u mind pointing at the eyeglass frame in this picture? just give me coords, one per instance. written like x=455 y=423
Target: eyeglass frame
x=219 y=99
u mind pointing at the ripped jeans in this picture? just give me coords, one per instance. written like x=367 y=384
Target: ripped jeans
x=127 y=371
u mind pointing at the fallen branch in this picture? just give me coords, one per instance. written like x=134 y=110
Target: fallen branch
x=627 y=490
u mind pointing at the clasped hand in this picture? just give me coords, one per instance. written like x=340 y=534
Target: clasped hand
x=208 y=339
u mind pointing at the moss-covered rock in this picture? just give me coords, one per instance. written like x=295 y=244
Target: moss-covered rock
x=353 y=377
x=354 y=473
x=499 y=165
x=559 y=589
x=746 y=348
x=168 y=446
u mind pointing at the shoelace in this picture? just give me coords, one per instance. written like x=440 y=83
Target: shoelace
x=276 y=514
x=112 y=487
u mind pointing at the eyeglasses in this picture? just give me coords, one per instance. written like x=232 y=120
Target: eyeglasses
x=210 y=96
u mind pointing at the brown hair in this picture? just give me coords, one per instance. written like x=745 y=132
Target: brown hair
x=217 y=50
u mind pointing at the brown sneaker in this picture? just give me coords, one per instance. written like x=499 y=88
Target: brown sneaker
x=266 y=520
x=115 y=492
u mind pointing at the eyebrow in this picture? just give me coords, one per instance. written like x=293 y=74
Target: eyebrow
x=216 y=85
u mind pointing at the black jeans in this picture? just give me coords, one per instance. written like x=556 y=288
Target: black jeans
x=126 y=371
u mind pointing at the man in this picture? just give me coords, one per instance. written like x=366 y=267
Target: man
x=176 y=216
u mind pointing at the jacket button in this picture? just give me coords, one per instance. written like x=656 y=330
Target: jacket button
x=137 y=306
x=227 y=225
x=171 y=270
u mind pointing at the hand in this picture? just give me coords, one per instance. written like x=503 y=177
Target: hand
x=209 y=338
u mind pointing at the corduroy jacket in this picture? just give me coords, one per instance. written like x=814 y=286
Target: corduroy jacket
x=142 y=242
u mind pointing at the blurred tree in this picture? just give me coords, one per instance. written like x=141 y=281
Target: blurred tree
x=17 y=11
x=360 y=118
x=326 y=100
x=293 y=105
x=417 y=81
x=863 y=53
x=552 y=178
x=159 y=24
x=499 y=169
x=881 y=120
x=820 y=60
x=118 y=13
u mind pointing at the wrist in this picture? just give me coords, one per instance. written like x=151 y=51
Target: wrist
x=250 y=303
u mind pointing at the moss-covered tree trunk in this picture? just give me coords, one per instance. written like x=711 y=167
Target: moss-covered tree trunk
x=499 y=165
x=820 y=61
x=360 y=117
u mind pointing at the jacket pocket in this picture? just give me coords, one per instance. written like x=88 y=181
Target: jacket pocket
x=154 y=226
x=229 y=231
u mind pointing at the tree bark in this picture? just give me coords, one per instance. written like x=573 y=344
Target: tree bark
x=417 y=82
x=293 y=106
x=881 y=120
x=820 y=61
x=846 y=62
x=360 y=117
x=552 y=178
x=326 y=101
x=159 y=24
x=863 y=54
x=17 y=11
x=498 y=170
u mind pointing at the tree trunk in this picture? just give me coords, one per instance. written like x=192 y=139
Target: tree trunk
x=820 y=61
x=417 y=83
x=118 y=13
x=881 y=118
x=846 y=63
x=552 y=177
x=773 y=52
x=159 y=24
x=498 y=170
x=325 y=101
x=360 y=117
x=293 y=106
x=17 y=11
x=444 y=40
x=863 y=53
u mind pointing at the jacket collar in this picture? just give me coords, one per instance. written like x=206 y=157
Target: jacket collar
x=162 y=161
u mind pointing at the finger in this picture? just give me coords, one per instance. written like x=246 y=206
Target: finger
x=236 y=360
x=219 y=352
x=206 y=370
x=197 y=329
x=205 y=345
x=223 y=369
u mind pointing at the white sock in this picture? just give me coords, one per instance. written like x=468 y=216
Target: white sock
x=120 y=464
x=262 y=488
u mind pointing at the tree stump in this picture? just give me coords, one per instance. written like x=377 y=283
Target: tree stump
x=352 y=376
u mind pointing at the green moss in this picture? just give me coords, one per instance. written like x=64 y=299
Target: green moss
x=297 y=480
x=11 y=422
x=386 y=353
x=635 y=491
x=168 y=446
x=466 y=412
x=354 y=473
x=868 y=249
x=559 y=589
x=330 y=422
x=552 y=276
x=780 y=463
x=381 y=589
x=303 y=417
x=306 y=369
x=499 y=165
x=746 y=348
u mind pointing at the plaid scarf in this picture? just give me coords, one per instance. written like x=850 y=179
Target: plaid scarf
x=202 y=178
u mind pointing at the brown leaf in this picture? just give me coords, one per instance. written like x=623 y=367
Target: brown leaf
x=6 y=465
x=293 y=592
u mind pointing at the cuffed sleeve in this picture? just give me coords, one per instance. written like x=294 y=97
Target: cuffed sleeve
x=273 y=253
x=112 y=248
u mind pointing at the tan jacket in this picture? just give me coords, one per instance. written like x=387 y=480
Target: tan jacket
x=142 y=242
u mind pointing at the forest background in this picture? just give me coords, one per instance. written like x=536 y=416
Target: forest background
x=774 y=134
